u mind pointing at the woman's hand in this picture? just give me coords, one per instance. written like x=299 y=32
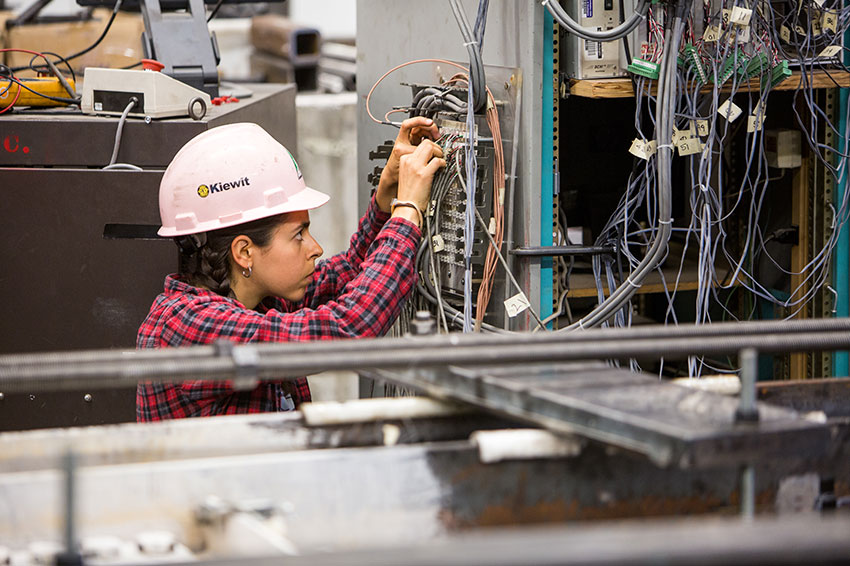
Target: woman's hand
x=416 y=174
x=410 y=136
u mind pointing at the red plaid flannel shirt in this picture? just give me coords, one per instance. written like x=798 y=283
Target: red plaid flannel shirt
x=355 y=294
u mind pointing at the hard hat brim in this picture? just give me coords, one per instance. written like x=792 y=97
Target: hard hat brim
x=305 y=199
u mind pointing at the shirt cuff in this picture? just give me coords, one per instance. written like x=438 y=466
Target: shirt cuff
x=404 y=227
x=381 y=217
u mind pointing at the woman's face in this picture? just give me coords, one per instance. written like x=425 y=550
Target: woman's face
x=285 y=266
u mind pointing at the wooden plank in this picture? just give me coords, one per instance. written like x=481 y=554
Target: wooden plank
x=799 y=254
x=622 y=88
x=584 y=284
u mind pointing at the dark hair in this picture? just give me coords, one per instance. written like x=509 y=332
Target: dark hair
x=205 y=259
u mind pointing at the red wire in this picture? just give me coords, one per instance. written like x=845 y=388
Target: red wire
x=20 y=88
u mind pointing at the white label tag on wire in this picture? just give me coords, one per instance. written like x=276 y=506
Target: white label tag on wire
x=741 y=16
x=643 y=149
x=754 y=123
x=432 y=207
x=815 y=23
x=785 y=34
x=516 y=304
x=438 y=243
x=677 y=133
x=689 y=146
x=501 y=195
x=702 y=127
x=830 y=51
x=712 y=34
x=681 y=135
x=742 y=35
x=829 y=21
x=729 y=110
x=492 y=227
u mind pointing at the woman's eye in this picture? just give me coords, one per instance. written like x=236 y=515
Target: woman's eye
x=299 y=235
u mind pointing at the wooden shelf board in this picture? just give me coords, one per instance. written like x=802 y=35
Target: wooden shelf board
x=584 y=284
x=622 y=88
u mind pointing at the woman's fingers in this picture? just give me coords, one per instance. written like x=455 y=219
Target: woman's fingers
x=414 y=130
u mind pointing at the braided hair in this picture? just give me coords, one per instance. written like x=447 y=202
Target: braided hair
x=205 y=258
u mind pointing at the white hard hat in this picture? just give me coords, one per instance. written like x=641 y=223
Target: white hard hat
x=231 y=175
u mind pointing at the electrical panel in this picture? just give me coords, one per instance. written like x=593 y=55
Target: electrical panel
x=441 y=262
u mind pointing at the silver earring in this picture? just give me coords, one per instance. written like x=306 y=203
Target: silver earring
x=247 y=273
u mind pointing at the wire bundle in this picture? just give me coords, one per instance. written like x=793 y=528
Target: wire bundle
x=727 y=205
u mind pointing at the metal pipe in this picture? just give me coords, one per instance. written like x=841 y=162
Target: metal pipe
x=276 y=361
x=747 y=408
x=552 y=251
x=748 y=492
x=657 y=332
x=70 y=556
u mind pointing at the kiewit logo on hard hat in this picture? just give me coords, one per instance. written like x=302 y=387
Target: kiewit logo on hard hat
x=206 y=190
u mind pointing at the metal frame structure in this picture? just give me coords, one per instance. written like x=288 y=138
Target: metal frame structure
x=411 y=476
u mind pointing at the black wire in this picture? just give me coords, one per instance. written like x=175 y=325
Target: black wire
x=65 y=60
x=215 y=10
x=45 y=68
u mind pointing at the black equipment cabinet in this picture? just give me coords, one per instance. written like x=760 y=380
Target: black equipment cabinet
x=64 y=285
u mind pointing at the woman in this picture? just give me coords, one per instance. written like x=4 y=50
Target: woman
x=235 y=202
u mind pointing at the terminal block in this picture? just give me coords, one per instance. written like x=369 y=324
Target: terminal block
x=777 y=75
x=692 y=58
x=729 y=66
x=757 y=65
x=644 y=68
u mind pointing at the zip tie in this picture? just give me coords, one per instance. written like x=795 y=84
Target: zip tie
x=666 y=221
x=580 y=326
x=666 y=145
x=468 y=43
x=632 y=283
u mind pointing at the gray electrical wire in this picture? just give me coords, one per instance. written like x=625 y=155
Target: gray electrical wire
x=122 y=167
x=120 y=130
x=612 y=34
x=665 y=116
x=477 y=80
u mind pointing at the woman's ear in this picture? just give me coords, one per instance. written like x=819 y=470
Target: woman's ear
x=241 y=249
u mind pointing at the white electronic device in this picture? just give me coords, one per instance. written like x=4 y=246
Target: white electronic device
x=594 y=59
x=109 y=92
